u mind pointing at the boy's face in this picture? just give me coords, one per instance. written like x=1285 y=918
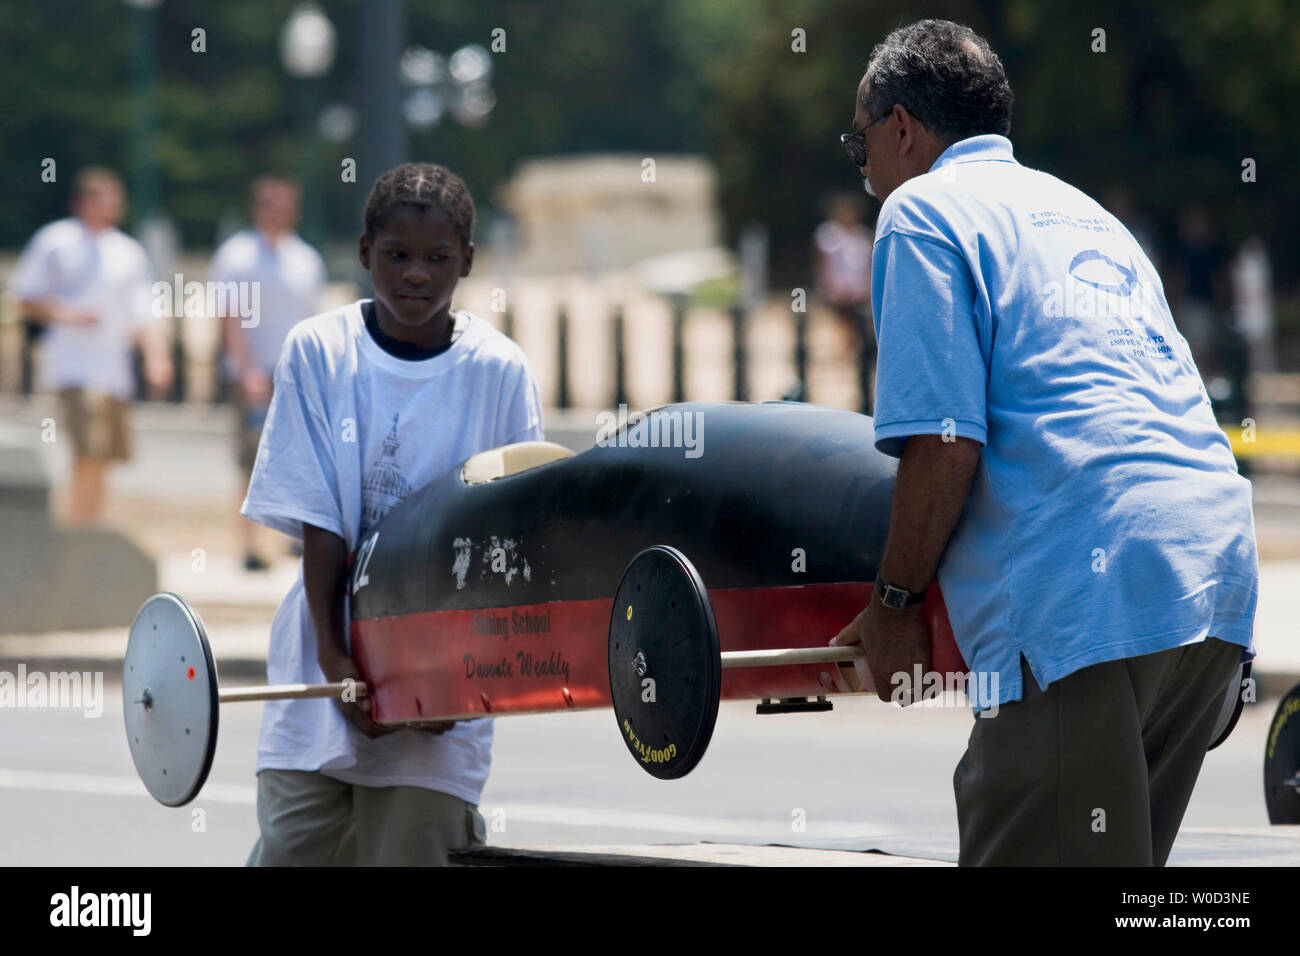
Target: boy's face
x=415 y=260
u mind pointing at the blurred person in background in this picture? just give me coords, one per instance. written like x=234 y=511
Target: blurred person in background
x=1199 y=263
x=290 y=276
x=90 y=285
x=1119 y=200
x=1252 y=293
x=842 y=268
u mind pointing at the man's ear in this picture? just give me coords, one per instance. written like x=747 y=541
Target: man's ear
x=363 y=252
x=469 y=260
x=907 y=127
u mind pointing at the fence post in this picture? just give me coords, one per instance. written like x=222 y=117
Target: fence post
x=620 y=359
x=801 y=351
x=679 y=320
x=740 y=352
x=180 y=373
x=562 y=366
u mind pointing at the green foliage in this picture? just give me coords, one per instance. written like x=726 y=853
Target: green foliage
x=1183 y=93
x=1185 y=90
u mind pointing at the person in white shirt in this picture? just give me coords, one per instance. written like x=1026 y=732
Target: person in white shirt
x=842 y=264
x=289 y=276
x=371 y=402
x=91 y=285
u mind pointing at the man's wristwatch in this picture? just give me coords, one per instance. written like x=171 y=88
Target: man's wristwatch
x=897 y=598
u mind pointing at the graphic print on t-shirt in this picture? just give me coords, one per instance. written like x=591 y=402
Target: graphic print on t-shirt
x=383 y=484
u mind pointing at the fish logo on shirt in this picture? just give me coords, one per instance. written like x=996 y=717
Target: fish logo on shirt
x=1124 y=278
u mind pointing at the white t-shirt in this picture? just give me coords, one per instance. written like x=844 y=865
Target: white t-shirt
x=289 y=277
x=107 y=273
x=350 y=432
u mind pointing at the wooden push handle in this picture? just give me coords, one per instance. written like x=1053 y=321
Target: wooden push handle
x=229 y=695
x=840 y=654
x=845 y=654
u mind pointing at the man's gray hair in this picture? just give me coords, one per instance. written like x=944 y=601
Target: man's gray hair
x=944 y=74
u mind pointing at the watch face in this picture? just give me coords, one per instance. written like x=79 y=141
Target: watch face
x=896 y=598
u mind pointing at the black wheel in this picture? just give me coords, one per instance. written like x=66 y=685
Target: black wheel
x=665 y=664
x=1282 y=761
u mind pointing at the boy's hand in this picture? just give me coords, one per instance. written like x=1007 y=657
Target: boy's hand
x=338 y=667
x=324 y=573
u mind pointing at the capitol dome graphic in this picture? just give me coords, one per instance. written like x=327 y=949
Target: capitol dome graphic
x=383 y=485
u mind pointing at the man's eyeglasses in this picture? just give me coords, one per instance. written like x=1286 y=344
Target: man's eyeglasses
x=855 y=143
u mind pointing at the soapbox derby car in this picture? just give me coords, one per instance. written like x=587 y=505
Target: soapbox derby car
x=703 y=551
x=513 y=583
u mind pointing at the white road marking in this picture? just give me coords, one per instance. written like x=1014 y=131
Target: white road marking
x=775 y=828
x=105 y=786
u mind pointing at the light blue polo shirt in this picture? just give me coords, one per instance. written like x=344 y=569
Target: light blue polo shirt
x=1106 y=518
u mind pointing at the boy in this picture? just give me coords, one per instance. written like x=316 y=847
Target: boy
x=370 y=403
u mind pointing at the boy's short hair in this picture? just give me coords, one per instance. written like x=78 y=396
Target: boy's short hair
x=425 y=186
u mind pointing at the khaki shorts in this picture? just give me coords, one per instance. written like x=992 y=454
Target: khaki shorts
x=248 y=431
x=96 y=422
x=310 y=819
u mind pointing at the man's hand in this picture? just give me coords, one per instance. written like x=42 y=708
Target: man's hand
x=256 y=386
x=934 y=477
x=67 y=315
x=158 y=374
x=56 y=312
x=895 y=642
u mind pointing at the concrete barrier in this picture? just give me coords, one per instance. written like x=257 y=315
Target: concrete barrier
x=53 y=578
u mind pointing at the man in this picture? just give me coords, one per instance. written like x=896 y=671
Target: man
x=288 y=275
x=90 y=284
x=842 y=264
x=1060 y=468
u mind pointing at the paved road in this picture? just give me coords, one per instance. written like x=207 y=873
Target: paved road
x=68 y=793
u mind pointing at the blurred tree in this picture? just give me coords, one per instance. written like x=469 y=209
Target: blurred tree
x=1182 y=94
x=1185 y=90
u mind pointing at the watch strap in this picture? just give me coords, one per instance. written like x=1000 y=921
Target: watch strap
x=895 y=597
